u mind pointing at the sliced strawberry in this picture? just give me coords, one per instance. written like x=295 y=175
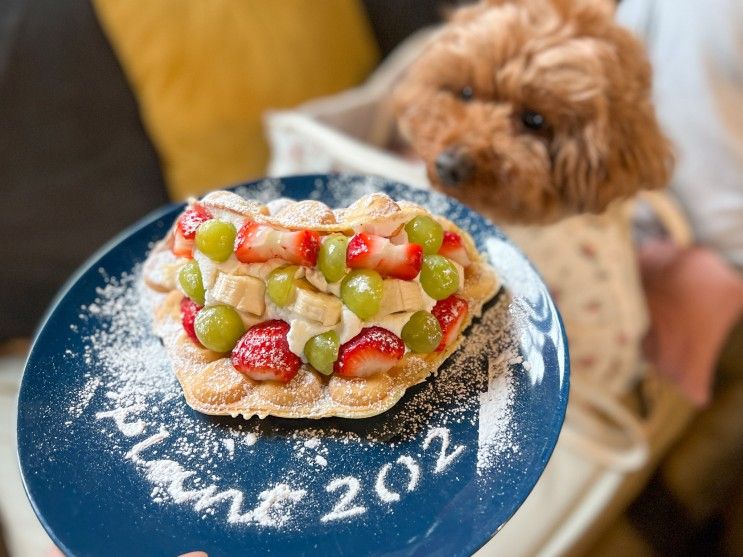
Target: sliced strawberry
x=300 y=247
x=373 y=350
x=263 y=353
x=365 y=251
x=451 y=313
x=189 y=310
x=368 y=251
x=453 y=248
x=185 y=229
x=182 y=247
x=402 y=262
x=256 y=243
x=191 y=219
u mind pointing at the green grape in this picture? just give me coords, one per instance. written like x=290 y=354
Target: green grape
x=219 y=328
x=426 y=232
x=332 y=258
x=422 y=333
x=322 y=351
x=439 y=277
x=361 y=291
x=280 y=285
x=216 y=239
x=190 y=280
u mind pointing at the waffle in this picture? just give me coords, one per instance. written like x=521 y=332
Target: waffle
x=212 y=385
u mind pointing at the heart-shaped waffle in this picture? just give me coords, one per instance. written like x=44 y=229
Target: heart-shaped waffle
x=210 y=381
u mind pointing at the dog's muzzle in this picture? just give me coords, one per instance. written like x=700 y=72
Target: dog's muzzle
x=454 y=166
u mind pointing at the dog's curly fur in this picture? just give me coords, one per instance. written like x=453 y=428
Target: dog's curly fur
x=563 y=59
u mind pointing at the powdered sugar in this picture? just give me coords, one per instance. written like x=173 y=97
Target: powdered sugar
x=312 y=443
x=383 y=492
x=130 y=429
x=229 y=444
x=494 y=436
x=274 y=503
x=85 y=396
x=249 y=439
x=444 y=459
x=344 y=508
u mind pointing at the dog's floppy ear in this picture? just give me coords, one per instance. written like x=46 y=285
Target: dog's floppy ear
x=642 y=154
x=613 y=158
x=623 y=149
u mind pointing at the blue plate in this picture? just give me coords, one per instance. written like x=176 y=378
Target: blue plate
x=115 y=462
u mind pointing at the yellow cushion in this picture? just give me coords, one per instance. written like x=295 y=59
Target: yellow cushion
x=204 y=71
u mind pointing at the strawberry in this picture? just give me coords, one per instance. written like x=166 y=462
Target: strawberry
x=372 y=351
x=263 y=353
x=453 y=248
x=365 y=251
x=256 y=243
x=300 y=247
x=189 y=310
x=450 y=313
x=368 y=251
x=182 y=247
x=402 y=262
x=191 y=219
x=185 y=229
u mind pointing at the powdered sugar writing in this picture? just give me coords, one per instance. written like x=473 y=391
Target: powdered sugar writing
x=383 y=492
x=345 y=507
x=444 y=459
x=130 y=429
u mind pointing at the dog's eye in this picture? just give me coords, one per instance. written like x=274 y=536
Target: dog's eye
x=466 y=93
x=533 y=120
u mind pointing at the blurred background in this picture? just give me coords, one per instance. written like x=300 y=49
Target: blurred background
x=110 y=109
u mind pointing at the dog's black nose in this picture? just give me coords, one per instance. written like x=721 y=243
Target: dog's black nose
x=454 y=166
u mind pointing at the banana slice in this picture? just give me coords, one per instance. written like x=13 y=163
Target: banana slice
x=208 y=268
x=245 y=293
x=400 y=295
x=315 y=277
x=316 y=306
x=411 y=295
x=259 y=270
x=211 y=269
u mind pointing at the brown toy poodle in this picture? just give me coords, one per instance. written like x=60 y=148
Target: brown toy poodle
x=533 y=110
